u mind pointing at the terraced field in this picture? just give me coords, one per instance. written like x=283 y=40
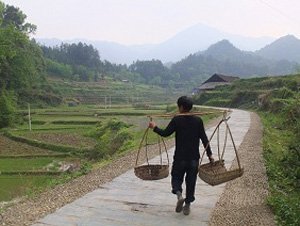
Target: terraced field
x=18 y=160
x=56 y=145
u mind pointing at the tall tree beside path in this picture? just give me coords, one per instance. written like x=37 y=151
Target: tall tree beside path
x=22 y=66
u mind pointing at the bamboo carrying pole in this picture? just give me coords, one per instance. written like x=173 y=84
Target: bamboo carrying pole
x=189 y=114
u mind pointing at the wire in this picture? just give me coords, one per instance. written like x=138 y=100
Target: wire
x=279 y=11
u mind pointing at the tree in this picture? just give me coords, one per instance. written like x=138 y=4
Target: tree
x=12 y=16
x=171 y=84
x=156 y=80
x=22 y=63
x=22 y=66
x=7 y=109
x=59 y=69
x=150 y=69
x=2 y=6
x=79 y=59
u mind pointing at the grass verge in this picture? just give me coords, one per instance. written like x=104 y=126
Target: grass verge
x=282 y=158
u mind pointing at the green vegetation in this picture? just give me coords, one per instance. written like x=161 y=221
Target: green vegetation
x=114 y=136
x=22 y=68
x=263 y=93
x=24 y=165
x=282 y=154
x=18 y=185
x=277 y=100
x=78 y=62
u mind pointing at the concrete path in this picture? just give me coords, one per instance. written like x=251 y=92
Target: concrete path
x=127 y=200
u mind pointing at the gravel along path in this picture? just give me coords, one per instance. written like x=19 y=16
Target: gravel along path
x=243 y=201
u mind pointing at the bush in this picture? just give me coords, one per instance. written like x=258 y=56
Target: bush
x=112 y=137
x=243 y=97
x=171 y=108
x=218 y=102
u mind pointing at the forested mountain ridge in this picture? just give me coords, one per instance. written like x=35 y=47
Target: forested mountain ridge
x=225 y=58
x=284 y=48
x=225 y=50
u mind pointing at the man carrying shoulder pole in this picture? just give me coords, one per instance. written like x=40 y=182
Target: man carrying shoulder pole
x=189 y=129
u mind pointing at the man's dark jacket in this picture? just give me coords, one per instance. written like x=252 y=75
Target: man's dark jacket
x=188 y=132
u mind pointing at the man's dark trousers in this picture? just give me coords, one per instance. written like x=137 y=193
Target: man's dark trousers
x=189 y=168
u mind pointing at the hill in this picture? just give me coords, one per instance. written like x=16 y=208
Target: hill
x=284 y=48
x=223 y=57
x=223 y=50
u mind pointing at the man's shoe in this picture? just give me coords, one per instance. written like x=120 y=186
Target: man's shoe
x=179 y=204
x=186 y=209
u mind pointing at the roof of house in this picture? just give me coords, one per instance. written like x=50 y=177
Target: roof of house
x=221 y=78
x=217 y=80
x=211 y=85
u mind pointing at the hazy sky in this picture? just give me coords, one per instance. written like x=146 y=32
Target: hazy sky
x=154 y=21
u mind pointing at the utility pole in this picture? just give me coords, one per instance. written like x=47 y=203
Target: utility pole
x=29 y=120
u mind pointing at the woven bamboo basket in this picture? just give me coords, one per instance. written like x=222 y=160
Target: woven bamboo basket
x=216 y=173
x=151 y=171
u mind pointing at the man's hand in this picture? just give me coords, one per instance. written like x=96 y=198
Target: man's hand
x=151 y=125
x=211 y=159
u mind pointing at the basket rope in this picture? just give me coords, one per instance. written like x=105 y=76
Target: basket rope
x=159 y=141
x=219 y=172
x=152 y=171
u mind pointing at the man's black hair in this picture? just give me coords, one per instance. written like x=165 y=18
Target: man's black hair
x=185 y=102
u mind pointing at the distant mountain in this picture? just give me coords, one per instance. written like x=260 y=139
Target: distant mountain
x=224 y=58
x=189 y=41
x=284 y=48
x=199 y=38
x=121 y=54
x=49 y=41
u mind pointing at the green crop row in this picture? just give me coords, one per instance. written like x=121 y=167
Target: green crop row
x=53 y=147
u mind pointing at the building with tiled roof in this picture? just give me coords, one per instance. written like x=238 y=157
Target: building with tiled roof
x=216 y=80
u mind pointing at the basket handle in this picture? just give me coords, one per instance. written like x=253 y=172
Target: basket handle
x=160 y=140
x=140 y=147
x=224 y=119
x=236 y=153
x=163 y=141
x=209 y=141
